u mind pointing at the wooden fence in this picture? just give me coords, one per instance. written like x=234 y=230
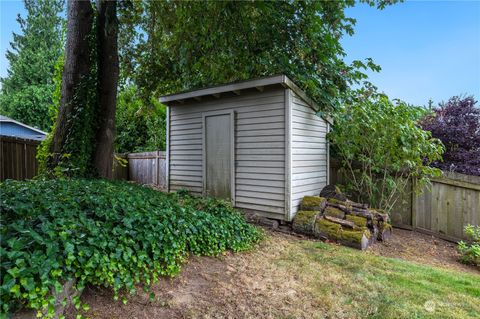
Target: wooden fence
x=18 y=161
x=144 y=168
x=442 y=209
x=18 y=158
x=451 y=203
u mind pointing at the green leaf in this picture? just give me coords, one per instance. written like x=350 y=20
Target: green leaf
x=15 y=290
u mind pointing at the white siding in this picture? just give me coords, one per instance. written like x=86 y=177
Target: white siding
x=259 y=147
x=309 y=152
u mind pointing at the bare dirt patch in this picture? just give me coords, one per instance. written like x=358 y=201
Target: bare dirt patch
x=245 y=285
x=421 y=248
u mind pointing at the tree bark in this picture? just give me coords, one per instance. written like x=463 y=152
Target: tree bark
x=77 y=65
x=108 y=70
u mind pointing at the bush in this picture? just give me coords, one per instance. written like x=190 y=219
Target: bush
x=457 y=124
x=141 y=126
x=471 y=250
x=382 y=147
x=112 y=234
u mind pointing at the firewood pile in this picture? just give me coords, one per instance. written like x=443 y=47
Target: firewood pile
x=334 y=217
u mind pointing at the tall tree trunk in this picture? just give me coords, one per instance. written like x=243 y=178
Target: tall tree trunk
x=77 y=66
x=107 y=30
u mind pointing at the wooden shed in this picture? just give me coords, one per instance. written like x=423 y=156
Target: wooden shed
x=258 y=143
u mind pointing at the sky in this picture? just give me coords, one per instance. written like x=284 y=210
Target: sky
x=427 y=49
x=8 y=24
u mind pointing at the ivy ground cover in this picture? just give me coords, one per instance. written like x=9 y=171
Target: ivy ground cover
x=112 y=234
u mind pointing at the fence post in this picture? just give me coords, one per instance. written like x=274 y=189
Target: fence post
x=158 y=168
x=25 y=168
x=414 y=203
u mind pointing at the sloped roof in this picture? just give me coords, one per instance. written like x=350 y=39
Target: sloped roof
x=4 y=119
x=236 y=87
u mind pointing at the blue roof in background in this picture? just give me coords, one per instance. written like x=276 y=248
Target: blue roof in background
x=10 y=127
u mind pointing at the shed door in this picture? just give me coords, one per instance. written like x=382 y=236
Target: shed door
x=218 y=155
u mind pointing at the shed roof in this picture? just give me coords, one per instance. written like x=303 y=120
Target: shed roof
x=236 y=87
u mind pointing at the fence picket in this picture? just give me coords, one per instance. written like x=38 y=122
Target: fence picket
x=144 y=168
x=18 y=158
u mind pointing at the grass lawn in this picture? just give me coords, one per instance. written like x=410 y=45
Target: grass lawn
x=287 y=277
x=379 y=287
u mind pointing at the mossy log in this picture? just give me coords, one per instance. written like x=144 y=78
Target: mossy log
x=374 y=234
x=362 y=213
x=334 y=212
x=332 y=191
x=380 y=215
x=337 y=201
x=341 y=222
x=356 y=205
x=351 y=210
x=313 y=203
x=357 y=220
x=346 y=222
x=343 y=208
x=304 y=222
x=359 y=239
x=384 y=231
x=327 y=229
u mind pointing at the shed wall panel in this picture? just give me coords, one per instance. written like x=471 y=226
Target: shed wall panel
x=259 y=147
x=309 y=152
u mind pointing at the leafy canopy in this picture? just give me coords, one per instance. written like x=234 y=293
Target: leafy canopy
x=457 y=124
x=112 y=234
x=170 y=46
x=27 y=91
x=381 y=147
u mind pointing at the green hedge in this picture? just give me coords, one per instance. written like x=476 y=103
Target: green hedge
x=113 y=234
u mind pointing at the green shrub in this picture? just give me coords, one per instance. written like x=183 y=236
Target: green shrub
x=113 y=234
x=471 y=250
x=140 y=123
x=381 y=148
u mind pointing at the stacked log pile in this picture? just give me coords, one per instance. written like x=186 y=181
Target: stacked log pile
x=346 y=222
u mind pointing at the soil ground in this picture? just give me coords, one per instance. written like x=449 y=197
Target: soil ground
x=421 y=248
x=291 y=277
